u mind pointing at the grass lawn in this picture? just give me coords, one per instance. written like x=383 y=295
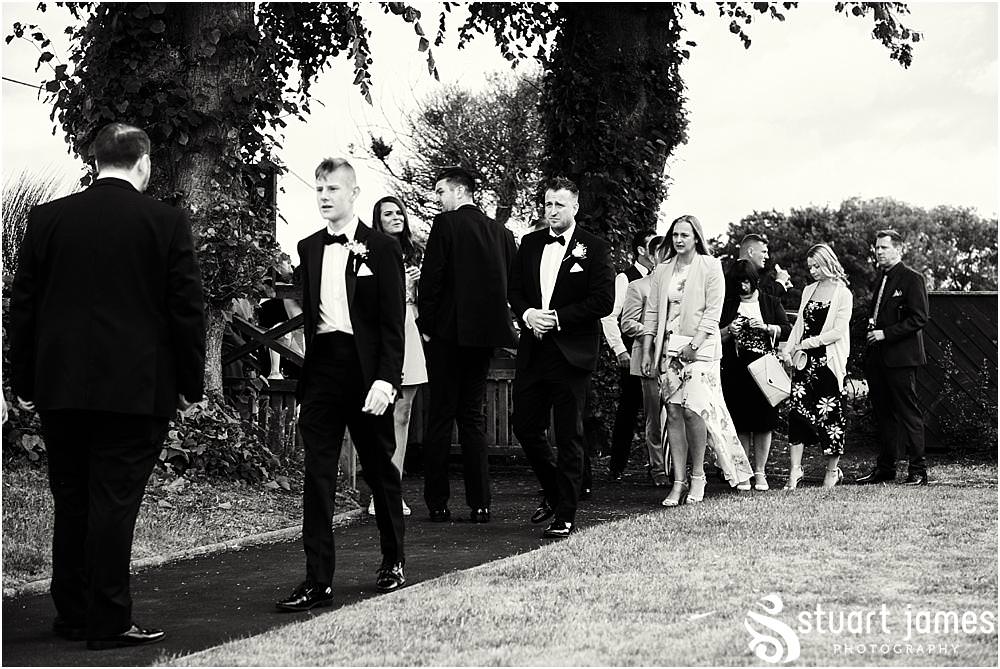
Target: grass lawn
x=175 y=516
x=674 y=587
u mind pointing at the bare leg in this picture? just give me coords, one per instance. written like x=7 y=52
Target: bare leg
x=761 y=452
x=795 y=465
x=833 y=474
x=401 y=430
x=697 y=437
x=677 y=438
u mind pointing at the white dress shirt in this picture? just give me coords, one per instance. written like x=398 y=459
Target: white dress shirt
x=612 y=331
x=548 y=269
x=334 y=310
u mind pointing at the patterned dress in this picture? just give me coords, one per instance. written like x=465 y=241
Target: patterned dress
x=697 y=386
x=816 y=408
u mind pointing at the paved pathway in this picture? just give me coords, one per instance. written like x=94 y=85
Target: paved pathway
x=206 y=601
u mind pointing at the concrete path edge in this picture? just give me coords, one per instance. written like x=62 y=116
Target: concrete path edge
x=274 y=536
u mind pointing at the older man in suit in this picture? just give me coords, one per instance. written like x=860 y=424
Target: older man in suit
x=352 y=303
x=895 y=351
x=463 y=316
x=561 y=285
x=107 y=340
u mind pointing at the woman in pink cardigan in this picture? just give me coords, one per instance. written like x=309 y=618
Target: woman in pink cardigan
x=819 y=343
x=681 y=343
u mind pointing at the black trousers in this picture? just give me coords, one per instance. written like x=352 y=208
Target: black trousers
x=332 y=398
x=457 y=386
x=893 y=394
x=551 y=384
x=99 y=463
x=629 y=401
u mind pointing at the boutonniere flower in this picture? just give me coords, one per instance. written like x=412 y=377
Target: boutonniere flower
x=359 y=249
x=579 y=251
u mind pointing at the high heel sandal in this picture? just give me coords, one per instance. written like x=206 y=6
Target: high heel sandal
x=681 y=496
x=839 y=479
x=761 y=481
x=793 y=480
x=695 y=496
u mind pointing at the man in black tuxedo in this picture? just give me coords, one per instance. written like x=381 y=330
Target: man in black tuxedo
x=895 y=350
x=352 y=302
x=561 y=285
x=463 y=316
x=107 y=340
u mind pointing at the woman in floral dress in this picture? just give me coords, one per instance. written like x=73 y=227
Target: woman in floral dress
x=681 y=342
x=818 y=347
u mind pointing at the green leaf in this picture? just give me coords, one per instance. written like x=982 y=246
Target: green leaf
x=158 y=27
x=141 y=12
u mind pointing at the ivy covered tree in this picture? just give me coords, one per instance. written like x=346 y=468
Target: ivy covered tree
x=495 y=132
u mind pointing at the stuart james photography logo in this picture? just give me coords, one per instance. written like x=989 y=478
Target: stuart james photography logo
x=860 y=632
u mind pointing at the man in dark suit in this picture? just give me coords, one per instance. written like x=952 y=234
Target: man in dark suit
x=352 y=303
x=754 y=248
x=107 y=339
x=561 y=285
x=895 y=350
x=463 y=316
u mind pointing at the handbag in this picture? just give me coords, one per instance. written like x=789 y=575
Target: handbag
x=772 y=379
x=677 y=342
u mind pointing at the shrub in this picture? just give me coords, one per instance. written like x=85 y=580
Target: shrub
x=968 y=413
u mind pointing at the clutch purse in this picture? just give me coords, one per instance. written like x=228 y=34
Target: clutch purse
x=770 y=376
x=676 y=342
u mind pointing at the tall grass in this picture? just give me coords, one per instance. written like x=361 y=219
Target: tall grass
x=21 y=192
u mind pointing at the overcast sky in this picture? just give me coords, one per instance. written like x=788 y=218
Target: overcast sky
x=813 y=113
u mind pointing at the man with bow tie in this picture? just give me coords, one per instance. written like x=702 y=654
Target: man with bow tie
x=561 y=285
x=353 y=303
x=895 y=350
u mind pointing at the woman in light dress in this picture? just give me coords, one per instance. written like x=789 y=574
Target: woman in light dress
x=390 y=217
x=681 y=342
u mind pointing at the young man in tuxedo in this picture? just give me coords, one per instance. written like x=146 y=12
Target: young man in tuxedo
x=895 y=351
x=630 y=389
x=561 y=285
x=107 y=340
x=463 y=316
x=352 y=301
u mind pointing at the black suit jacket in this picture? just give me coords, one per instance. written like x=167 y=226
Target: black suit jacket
x=376 y=302
x=106 y=307
x=902 y=315
x=462 y=296
x=580 y=298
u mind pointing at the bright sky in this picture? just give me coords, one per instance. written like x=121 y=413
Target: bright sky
x=813 y=113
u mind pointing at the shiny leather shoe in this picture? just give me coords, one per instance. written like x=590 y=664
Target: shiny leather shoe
x=134 y=636
x=559 y=529
x=615 y=475
x=876 y=476
x=305 y=597
x=916 y=479
x=70 y=630
x=390 y=577
x=440 y=515
x=480 y=515
x=542 y=513
x=585 y=494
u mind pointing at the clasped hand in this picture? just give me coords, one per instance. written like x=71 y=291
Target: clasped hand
x=541 y=320
x=875 y=336
x=376 y=403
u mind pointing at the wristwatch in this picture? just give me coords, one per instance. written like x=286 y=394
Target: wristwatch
x=694 y=347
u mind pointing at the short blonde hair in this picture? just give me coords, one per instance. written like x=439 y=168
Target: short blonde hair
x=828 y=263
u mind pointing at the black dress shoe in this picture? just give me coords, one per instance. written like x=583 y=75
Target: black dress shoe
x=440 y=515
x=390 y=577
x=305 y=597
x=135 y=636
x=585 y=493
x=480 y=515
x=542 y=513
x=916 y=479
x=876 y=476
x=615 y=475
x=559 y=529
x=67 y=629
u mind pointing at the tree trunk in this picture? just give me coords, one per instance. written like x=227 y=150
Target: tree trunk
x=216 y=327
x=612 y=111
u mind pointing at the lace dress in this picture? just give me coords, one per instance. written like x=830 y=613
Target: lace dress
x=697 y=387
x=816 y=407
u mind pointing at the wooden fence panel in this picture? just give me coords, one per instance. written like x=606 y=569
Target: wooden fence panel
x=967 y=322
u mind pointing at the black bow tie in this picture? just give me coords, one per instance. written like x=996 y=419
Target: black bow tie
x=334 y=239
x=558 y=239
